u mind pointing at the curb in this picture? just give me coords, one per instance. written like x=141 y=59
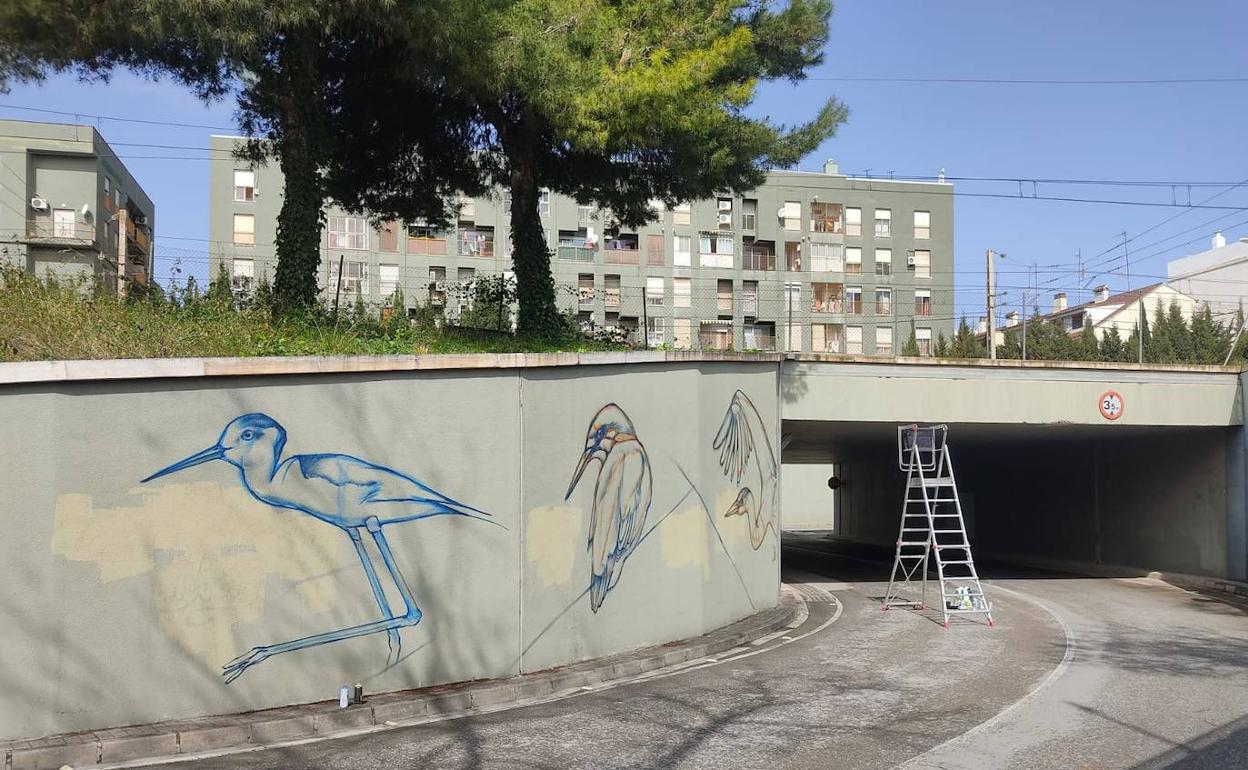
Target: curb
x=177 y=739
x=1224 y=587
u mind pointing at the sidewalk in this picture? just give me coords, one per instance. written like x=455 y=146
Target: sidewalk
x=325 y=719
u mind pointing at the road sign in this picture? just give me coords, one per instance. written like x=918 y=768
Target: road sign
x=1110 y=405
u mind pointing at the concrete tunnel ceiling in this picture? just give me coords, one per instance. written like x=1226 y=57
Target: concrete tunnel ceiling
x=822 y=441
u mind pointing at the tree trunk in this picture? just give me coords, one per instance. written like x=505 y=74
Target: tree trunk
x=535 y=287
x=298 y=242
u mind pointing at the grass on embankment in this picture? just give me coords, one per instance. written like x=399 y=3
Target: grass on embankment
x=47 y=320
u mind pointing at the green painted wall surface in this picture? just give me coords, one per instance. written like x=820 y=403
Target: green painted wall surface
x=124 y=600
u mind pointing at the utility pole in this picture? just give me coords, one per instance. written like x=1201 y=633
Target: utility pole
x=1126 y=257
x=338 y=287
x=1139 y=329
x=121 y=253
x=645 y=318
x=992 y=308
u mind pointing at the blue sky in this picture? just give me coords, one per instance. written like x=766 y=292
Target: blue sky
x=1173 y=133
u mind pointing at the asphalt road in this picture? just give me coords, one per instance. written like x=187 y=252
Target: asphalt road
x=1155 y=677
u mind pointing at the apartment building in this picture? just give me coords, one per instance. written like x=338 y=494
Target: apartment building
x=1217 y=276
x=809 y=261
x=70 y=207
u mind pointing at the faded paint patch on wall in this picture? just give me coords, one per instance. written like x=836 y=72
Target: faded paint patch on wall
x=548 y=532
x=208 y=550
x=684 y=539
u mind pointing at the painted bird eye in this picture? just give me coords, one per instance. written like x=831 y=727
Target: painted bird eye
x=248 y=435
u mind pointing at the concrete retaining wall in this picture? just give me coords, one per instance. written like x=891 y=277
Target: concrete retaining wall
x=124 y=600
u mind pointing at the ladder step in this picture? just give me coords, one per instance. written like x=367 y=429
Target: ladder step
x=941 y=547
x=939 y=481
x=949 y=563
x=947 y=531
x=922 y=543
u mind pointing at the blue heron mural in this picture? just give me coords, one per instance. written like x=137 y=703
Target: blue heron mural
x=357 y=496
x=621 y=497
x=745 y=452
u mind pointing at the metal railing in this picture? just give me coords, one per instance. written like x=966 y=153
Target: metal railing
x=831 y=304
x=576 y=253
x=431 y=246
x=620 y=256
x=46 y=229
x=758 y=259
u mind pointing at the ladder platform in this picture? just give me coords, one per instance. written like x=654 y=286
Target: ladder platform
x=937 y=481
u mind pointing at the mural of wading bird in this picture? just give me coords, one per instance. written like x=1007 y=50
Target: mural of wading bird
x=352 y=494
x=745 y=452
x=621 y=497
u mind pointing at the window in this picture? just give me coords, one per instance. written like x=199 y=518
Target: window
x=723 y=295
x=883 y=261
x=244 y=273
x=826 y=338
x=922 y=225
x=682 y=333
x=657 y=209
x=543 y=202
x=793 y=256
x=827 y=258
x=584 y=214
x=437 y=285
x=922 y=264
x=63 y=223
x=348 y=233
x=924 y=338
x=883 y=341
x=656 y=334
x=585 y=288
x=354 y=277
x=883 y=223
x=681 y=250
x=106 y=186
x=388 y=236
x=244 y=185
x=853 y=300
x=389 y=277
x=749 y=214
x=853 y=340
x=793 y=336
x=715 y=250
x=759 y=336
x=791 y=215
x=826 y=218
x=506 y=201
x=477 y=242
x=655 y=290
x=853 y=261
x=826 y=298
x=922 y=302
x=611 y=290
x=792 y=296
x=245 y=229
x=883 y=301
x=681 y=215
x=749 y=298
x=682 y=292
x=654 y=250
x=853 y=221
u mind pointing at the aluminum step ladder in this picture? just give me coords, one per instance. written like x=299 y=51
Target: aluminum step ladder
x=932 y=524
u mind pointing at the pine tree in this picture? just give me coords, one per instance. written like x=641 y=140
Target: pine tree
x=911 y=348
x=942 y=346
x=1112 y=345
x=1088 y=346
x=1209 y=340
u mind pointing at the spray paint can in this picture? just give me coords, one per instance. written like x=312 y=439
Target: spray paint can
x=343 y=697
x=358 y=697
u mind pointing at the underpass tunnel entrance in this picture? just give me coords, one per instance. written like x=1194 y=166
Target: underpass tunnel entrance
x=1064 y=496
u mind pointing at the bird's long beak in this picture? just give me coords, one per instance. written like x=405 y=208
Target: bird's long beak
x=211 y=453
x=580 y=469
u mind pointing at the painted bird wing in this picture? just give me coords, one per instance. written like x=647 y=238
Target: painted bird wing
x=735 y=440
x=621 y=504
x=370 y=483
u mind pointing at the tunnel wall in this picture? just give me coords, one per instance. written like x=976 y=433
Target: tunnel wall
x=809 y=504
x=1153 y=504
x=123 y=600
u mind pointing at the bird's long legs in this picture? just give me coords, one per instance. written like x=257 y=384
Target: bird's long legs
x=235 y=668
x=413 y=612
x=393 y=639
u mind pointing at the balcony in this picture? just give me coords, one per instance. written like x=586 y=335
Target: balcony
x=430 y=246
x=476 y=245
x=827 y=305
x=138 y=236
x=621 y=256
x=572 y=253
x=44 y=229
x=755 y=258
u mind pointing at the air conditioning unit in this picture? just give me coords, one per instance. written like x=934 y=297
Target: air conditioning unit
x=725 y=219
x=39 y=204
x=139 y=219
x=909 y=260
x=725 y=205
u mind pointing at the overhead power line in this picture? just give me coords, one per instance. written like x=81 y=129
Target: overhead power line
x=116 y=118
x=1036 y=81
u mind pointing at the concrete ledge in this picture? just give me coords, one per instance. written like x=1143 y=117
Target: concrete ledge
x=258 y=728
x=1231 y=589
x=19 y=372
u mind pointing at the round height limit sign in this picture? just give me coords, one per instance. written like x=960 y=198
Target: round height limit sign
x=1110 y=405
